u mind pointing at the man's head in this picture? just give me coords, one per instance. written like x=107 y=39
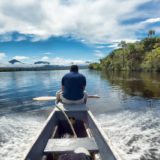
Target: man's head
x=74 y=68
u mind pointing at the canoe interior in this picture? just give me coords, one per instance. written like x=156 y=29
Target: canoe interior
x=64 y=130
x=56 y=127
x=55 y=118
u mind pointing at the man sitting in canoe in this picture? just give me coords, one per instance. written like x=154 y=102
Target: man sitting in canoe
x=73 y=88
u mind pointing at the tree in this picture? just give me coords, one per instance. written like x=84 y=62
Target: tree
x=151 y=32
x=112 y=56
x=123 y=45
x=132 y=51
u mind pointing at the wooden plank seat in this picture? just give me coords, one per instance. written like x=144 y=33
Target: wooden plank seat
x=70 y=144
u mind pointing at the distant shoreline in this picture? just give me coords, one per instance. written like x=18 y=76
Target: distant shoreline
x=35 y=69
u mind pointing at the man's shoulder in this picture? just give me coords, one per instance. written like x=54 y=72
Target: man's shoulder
x=67 y=74
x=71 y=75
x=81 y=75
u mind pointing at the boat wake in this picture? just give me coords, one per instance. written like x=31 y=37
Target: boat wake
x=135 y=135
x=17 y=133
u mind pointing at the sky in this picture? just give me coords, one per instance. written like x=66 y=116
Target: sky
x=64 y=32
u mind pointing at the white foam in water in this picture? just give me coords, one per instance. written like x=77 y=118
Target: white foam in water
x=16 y=134
x=135 y=135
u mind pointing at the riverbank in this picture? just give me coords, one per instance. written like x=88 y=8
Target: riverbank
x=29 y=69
x=142 y=55
x=6 y=69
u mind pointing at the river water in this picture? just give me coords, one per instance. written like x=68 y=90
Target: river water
x=128 y=110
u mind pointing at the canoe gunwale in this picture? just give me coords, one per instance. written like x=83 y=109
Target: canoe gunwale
x=105 y=137
x=38 y=135
x=86 y=115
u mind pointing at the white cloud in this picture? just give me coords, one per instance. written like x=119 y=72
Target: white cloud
x=83 y=40
x=20 y=38
x=98 y=53
x=20 y=65
x=63 y=61
x=2 y=55
x=113 y=46
x=54 y=61
x=151 y=20
x=157 y=29
x=96 y=21
x=20 y=57
x=101 y=47
x=126 y=40
x=6 y=37
x=44 y=58
x=48 y=53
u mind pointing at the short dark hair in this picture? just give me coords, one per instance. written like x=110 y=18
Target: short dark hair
x=74 y=68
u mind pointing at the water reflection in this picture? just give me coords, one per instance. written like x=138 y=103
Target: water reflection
x=145 y=85
x=123 y=109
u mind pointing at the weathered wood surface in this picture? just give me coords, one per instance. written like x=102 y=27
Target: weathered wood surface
x=69 y=145
x=50 y=98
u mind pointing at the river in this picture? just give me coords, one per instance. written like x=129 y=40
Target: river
x=128 y=110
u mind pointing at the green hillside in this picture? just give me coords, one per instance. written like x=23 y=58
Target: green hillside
x=142 y=55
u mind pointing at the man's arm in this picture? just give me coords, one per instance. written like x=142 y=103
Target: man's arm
x=84 y=83
x=62 y=84
x=63 y=88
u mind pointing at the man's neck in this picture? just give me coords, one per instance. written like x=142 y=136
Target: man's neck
x=74 y=72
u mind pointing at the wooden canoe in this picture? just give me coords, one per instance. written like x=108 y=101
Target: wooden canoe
x=49 y=142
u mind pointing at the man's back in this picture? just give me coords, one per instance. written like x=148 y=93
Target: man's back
x=74 y=84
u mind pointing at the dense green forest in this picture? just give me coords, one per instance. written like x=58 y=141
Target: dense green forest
x=142 y=55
